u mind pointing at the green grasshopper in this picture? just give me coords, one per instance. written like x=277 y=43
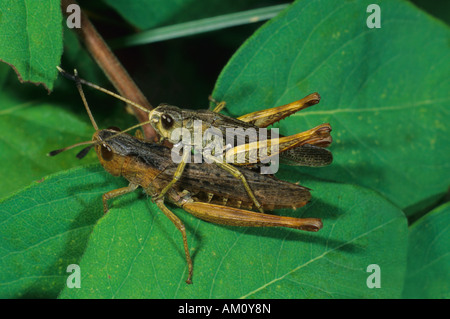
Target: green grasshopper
x=166 y=119
x=205 y=191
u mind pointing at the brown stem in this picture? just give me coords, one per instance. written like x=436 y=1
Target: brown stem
x=112 y=67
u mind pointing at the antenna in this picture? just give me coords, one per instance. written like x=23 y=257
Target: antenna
x=95 y=86
x=83 y=97
x=84 y=151
x=56 y=152
x=78 y=82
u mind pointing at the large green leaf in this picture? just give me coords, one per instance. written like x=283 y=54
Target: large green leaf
x=134 y=251
x=385 y=91
x=31 y=38
x=428 y=272
x=31 y=126
x=33 y=123
x=45 y=228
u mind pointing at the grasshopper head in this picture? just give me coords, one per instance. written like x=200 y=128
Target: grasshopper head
x=165 y=119
x=109 y=151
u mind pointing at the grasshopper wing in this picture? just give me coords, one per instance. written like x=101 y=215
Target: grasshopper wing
x=208 y=180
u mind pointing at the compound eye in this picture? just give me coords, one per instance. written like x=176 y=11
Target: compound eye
x=107 y=153
x=167 y=121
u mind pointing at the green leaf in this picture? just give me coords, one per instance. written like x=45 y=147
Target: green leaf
x=439 y=9
x=428 y=272
x=32 y=125
x=136 y=252
x=45 y=228
x=383 y=90
x=384 y=94
x=31 y=39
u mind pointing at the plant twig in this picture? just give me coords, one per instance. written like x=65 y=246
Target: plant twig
x=112 y=67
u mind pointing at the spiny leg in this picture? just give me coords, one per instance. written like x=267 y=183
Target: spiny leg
x=266 y=117
x=236 y=173
x=116 y=193
x=260 y=151
x=180 y=226
x=176 y=175
x=240 y=217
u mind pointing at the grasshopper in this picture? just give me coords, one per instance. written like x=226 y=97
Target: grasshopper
x=205 y=191
x=166 y=119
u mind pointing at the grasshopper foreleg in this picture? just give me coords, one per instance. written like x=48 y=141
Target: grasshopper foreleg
x=116 y=193
x=219 y=105
x=176 y=175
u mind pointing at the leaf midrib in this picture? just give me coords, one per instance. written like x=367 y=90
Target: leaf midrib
x=315 y=259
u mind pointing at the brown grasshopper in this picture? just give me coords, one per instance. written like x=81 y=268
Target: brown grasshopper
x=166 y=119
x=204 y=190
